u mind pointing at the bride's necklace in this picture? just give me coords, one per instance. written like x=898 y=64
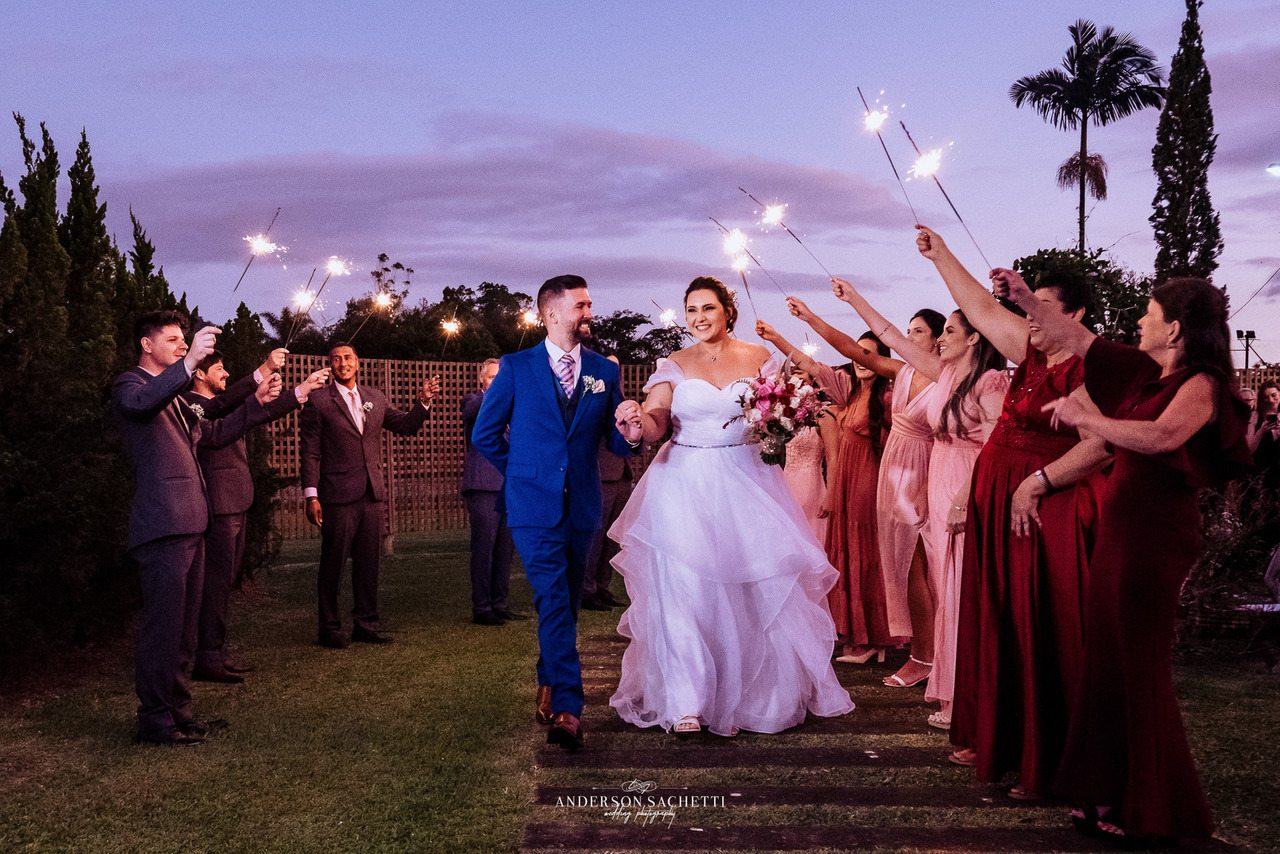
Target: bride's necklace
x=710 y=355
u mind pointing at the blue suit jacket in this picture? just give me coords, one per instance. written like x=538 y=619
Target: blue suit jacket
x=545 y=461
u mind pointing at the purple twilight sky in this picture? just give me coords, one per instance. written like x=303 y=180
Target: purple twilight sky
x=509 y=142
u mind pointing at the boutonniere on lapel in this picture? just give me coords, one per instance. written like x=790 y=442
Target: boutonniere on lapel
x=591 y=385
x=368 y=407
x=198 y=410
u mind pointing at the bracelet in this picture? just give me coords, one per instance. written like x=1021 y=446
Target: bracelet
x=1044 y=480
x=957 y=507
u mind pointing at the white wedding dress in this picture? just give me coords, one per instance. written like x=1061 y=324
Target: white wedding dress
x=728 y=619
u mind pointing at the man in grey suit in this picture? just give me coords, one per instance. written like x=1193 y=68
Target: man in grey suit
x=491 y=545
x=170 y=512
x=230 y=489
x=341 y=444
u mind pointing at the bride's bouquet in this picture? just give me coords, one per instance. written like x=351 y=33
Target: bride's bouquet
x=778 y=407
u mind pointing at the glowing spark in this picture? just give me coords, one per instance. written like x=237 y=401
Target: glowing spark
x=668 y=318
x=303 y=299
x=740 y=263
x=875 y=120
x=810 y=348
x=337 y=266
x=450 y=327
x=260 y=245
x=529 y=318
x=382 y=301
x=927 y=165
x=773 y=215
x=735 y=242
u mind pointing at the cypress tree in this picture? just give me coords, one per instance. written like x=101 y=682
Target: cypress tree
x=83 y=233
x=1186 y=226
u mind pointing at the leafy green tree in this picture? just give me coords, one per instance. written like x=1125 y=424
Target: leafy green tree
x=618 y=334
x=1105 y=76
x=1120 y=295
x=1187 y=228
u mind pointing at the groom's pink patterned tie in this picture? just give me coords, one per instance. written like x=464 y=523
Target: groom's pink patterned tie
x=564 y=370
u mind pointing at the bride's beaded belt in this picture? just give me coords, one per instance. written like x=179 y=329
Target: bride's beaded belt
x=709 y=447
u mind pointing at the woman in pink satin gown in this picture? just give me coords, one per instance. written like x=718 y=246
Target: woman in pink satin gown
x=962 y=408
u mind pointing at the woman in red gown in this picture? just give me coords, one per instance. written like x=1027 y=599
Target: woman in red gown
x=1169 y=411
x=1021 y=636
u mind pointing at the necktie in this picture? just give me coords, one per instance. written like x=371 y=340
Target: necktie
x=564 y=371
x=357 y=414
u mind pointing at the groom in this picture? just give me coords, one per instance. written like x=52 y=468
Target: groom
x=555 y=401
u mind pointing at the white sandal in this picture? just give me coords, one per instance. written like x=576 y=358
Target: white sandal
x=896 y=681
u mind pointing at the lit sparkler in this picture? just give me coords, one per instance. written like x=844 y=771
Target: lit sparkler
x=773 y=216
x=666 y=316
x=874 y=121
x=810 y=349
x=258 y=243
x=450 y=328
x=926 y=166
x=381 y=300
x=335 y=266
x=528 y=320
x=928 y=159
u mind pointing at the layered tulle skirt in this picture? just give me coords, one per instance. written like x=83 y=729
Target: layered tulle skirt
x=728 y=619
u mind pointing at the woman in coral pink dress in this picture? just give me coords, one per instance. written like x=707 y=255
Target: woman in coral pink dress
x=902 y=489
x=858 y=600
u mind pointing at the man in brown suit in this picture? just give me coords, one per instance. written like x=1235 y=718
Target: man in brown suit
x=341 y=444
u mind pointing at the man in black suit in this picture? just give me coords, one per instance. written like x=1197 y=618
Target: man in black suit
x=171 y=512
x=491 y=545
x=341 y=444
x=229 y=486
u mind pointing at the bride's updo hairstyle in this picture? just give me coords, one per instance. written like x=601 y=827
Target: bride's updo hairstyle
x=710 y=283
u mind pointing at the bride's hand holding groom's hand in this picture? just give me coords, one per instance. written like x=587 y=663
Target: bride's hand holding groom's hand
x=627 y=417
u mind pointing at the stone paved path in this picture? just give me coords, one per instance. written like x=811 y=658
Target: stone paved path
x=877 y=779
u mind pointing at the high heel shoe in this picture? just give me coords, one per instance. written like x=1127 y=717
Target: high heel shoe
x=849 y=657
x=896 y=681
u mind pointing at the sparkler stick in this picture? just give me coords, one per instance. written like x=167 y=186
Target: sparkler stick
x=874 y=124
x=382 y=300
x=298 y=311
x=450 y=328
x=336 y=267
x=773 y=216
x=255 y=250
x=740 y=248
x=930 y=170
x=528 y=320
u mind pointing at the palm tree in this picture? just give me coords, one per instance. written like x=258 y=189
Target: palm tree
x=1105 y=76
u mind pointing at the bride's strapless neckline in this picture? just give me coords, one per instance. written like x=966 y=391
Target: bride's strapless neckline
x=731 y=384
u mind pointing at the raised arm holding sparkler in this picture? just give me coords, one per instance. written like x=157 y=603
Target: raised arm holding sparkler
x=1006 y=330
x=844 y=344
x=927 y=362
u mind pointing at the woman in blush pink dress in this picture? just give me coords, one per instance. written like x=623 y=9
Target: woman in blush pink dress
x=806 y=455
x=857 y=602
x=902 y=489
x=962 y=409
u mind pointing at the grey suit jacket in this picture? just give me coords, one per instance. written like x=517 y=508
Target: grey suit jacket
x=478 y=473
x=226 y=470
x=337 y=459
x=161 y=434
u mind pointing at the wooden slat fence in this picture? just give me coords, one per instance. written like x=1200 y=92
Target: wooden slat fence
x=422 y=470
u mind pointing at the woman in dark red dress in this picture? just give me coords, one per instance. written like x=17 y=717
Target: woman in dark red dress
x=1027 y=545
x=1170 y=413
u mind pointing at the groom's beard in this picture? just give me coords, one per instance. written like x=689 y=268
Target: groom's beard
x=582 y=332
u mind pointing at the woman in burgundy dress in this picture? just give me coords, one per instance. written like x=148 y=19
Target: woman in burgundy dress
x=1021 y=635
x=1169 y=411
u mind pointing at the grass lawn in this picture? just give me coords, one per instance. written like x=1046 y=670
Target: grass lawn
x=427 y=744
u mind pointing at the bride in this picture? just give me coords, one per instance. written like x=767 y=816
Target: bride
x=728 y=623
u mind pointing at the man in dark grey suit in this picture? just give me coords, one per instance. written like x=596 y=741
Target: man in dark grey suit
x=229 y=486
x=341 y=444
x=491 y=545
x=170 y=512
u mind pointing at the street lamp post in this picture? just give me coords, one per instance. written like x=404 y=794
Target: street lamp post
x=1246 y=337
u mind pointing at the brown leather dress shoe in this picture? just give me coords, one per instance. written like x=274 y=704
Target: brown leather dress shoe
x=566 y=731
x=543 y=713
